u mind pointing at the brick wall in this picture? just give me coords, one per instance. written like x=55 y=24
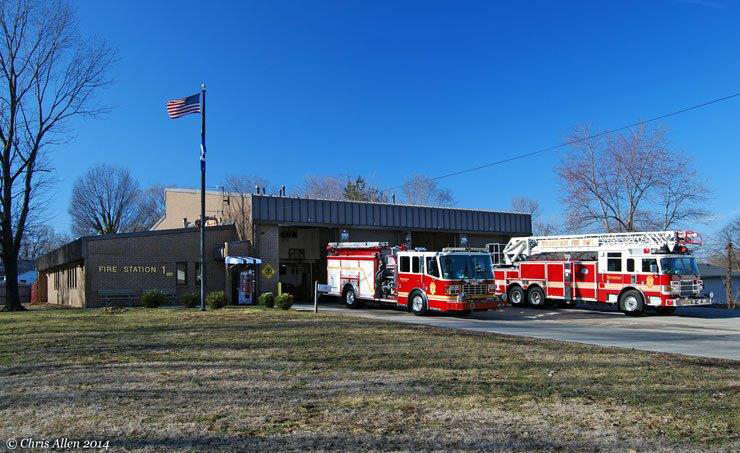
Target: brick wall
x=149 y=261
x=268 y=245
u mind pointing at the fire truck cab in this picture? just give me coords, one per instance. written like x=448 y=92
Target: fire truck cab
x=632 y=270
x=454 y=280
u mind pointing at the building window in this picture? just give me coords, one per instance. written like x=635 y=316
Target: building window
x=614 y=262
x=497 y=252
x=405 y=264
x=56 y=280
x=71 y=278
x=647 y=265
x=630 y=265
x=181 y=270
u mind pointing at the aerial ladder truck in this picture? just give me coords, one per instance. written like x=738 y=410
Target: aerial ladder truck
x=634 y=271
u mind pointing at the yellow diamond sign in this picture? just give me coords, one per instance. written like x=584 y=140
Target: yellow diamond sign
x=268 y=271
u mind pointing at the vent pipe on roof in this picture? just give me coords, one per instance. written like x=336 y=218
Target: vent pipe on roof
x=393 y=197
x=257 y=190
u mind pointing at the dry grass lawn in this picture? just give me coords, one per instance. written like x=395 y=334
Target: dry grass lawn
x=265 y=379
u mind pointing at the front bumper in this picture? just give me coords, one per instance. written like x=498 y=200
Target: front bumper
x=469 y=305
x=688 y=301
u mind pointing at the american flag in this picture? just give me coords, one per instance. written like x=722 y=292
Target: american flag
x=185 y=106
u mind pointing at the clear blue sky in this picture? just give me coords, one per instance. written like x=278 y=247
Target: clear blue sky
x=382 y=89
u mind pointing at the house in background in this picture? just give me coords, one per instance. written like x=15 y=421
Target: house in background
x=26 y=277
x=713 y=277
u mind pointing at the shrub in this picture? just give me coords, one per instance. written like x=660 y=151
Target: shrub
x=267 y=300
x=284 y=301
x=216 y=300
x=190 y=300
x=152 y=299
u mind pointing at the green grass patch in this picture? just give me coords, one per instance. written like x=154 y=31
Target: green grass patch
x=260 y=378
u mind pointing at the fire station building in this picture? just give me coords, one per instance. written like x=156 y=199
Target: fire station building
x=283 y=237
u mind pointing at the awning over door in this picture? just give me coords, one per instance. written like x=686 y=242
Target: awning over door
x=233 y=260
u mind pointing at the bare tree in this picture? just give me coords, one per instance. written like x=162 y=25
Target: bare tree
x=724 y=253
x=540 y=227
x=524 y=205
x=40 y=239
x=48 y=76
x=628 y=182
x=421 y=190
x=150 y=206
x=322 y=187
x=104 y=201
x=238 y=208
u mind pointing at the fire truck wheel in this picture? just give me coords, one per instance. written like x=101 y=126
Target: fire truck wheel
x=350 y=299
x=516 y=296
x=418 y=304
x=536 y=297
x=631 y=303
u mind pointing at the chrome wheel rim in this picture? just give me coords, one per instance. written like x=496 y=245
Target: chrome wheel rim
x=516 y=297
x=417 y=303
x=350 y=298
x=535 y=298
x=630 y=303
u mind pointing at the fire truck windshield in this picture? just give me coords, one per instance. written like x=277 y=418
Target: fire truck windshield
x=458 y=267
x=679 y=266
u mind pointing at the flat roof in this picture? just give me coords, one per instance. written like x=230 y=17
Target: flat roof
x=310 y=211
x=75 y=251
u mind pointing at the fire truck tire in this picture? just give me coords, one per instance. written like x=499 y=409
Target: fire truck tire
x=631 y=303
x=536 y=297
x=350 y=298
x=418 y=303
x=517 y=297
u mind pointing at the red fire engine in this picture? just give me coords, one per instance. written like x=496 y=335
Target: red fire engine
x=633 y=270
x=453 y=280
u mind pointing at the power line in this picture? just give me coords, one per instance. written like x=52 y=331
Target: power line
x=568 y=143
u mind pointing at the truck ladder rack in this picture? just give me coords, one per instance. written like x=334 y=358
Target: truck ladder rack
x=522 y=247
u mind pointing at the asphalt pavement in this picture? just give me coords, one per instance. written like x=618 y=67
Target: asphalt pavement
x=697 y=331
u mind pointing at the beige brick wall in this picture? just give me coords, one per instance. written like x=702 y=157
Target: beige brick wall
x=226 y=208
x=66 y=286
x=182 y=204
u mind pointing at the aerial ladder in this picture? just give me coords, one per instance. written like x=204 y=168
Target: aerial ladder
x=520 y=248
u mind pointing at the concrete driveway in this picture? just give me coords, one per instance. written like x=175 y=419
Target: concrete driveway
x=705 y=332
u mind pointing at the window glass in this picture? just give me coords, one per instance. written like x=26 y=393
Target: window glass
x=648 y=263
x=466 y=266
x=630 y=265
x=432 y=268
x=614 y=262
x=405 y=264
x=679 y=266
x=415 y=265
x=182 y=273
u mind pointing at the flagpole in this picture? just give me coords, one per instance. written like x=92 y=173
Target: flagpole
x=203 y=197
